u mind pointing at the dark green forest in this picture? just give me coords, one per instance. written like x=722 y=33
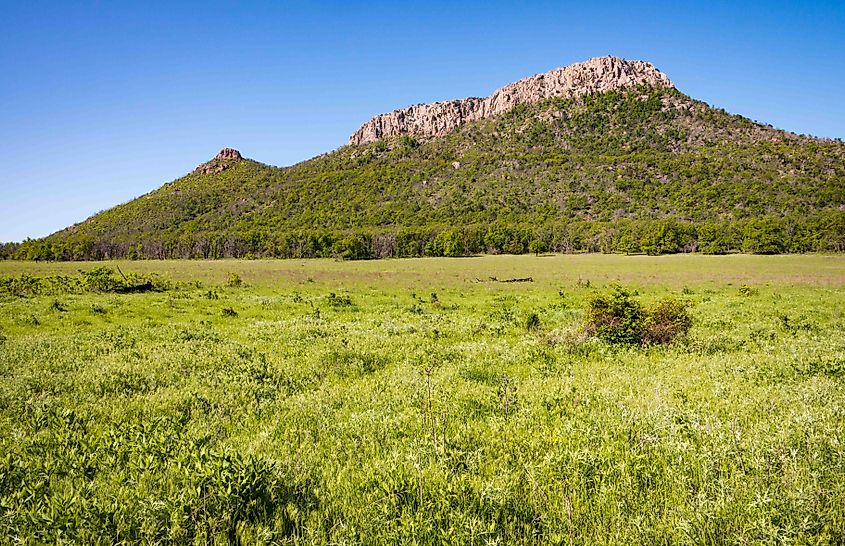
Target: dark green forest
x=644 y=171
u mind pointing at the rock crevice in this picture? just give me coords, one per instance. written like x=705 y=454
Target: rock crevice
x=597 y=75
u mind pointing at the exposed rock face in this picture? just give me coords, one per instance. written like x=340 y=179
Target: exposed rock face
x=228 y=153
x=437 y=119
x=221 y=161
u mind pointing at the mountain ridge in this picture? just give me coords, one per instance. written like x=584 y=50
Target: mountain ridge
x=597 y=75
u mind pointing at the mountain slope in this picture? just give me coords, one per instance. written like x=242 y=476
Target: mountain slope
x=637 y=169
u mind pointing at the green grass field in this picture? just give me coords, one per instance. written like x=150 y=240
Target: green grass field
x=415 y=402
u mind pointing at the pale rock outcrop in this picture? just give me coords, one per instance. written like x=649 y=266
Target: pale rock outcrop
x=228 y=154
x=221 y=161
x=597 y=75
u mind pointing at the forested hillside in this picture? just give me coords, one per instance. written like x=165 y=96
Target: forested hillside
x=646 y=170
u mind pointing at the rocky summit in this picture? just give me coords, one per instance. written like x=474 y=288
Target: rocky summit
x=228 y=154
x=220 y=162
x=597 y=75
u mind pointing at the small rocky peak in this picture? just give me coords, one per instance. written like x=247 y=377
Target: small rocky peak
x=221 y=161
x=228 y=154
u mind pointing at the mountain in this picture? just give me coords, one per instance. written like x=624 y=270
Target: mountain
x=605 y=155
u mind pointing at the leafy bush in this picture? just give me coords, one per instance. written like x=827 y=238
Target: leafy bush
x=619 y=319
x=667 y=321
x=616 y=318
x=234 y=280
x=103 y=279
x=100 y=279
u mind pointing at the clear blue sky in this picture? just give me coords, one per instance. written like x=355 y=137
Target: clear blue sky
x=103 y=101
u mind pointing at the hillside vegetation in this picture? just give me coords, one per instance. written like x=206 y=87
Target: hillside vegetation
x=647 y=170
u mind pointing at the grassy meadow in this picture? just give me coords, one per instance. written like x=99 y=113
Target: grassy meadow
x=424 y=401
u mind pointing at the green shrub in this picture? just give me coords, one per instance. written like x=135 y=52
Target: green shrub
x=234 y=280
x=100 y=279
x=667 y=321
x=617 y=318
x=103 y=279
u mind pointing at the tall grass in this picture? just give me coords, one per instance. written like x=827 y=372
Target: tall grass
x=350 y=410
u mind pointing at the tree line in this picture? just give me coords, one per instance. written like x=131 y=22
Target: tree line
x=821 y=232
